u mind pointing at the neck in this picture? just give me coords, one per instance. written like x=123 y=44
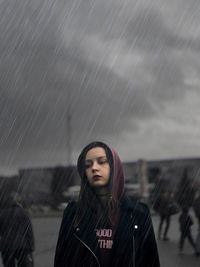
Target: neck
x=103 y=194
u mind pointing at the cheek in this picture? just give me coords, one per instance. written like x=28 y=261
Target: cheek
x=108 y=173
x=108 y=178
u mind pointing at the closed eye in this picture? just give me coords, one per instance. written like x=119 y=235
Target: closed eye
x=102 y=160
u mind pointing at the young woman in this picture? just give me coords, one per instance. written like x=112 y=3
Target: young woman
x=104 y=228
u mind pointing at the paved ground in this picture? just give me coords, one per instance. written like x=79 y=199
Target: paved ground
x=46 y=232
x=168 y=250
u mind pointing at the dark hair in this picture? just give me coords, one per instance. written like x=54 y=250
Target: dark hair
x=87 y=198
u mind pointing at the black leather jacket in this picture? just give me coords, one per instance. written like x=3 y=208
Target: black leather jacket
x=134 y=242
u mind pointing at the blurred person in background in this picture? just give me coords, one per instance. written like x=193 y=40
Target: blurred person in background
x=186 y=221
x=196 y=207
x=16 y=232
x=161 y=207
x=105 y=228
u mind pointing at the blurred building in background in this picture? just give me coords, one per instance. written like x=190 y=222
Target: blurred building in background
x=55 y=185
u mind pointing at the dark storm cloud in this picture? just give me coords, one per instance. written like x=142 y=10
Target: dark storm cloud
x=148 y=31
x=118 y=65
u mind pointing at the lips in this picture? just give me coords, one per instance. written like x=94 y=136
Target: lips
x=96 y=177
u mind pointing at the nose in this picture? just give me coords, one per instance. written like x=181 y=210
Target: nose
x=95 y=166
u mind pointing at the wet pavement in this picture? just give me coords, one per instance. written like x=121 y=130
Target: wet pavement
x=46 y=233
x=168 y=250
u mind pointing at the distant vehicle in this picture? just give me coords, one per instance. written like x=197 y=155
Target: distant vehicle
x=71 y=193
x=62 y=205
x=133 y=190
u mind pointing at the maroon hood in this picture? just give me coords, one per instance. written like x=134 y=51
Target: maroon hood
x=117 y=177
x=117 y=174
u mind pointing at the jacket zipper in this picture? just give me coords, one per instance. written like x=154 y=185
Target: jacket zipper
x=133 y=245
x=133 y=251
x=88 y=249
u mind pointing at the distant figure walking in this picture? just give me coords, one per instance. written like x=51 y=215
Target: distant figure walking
x=186 y=221
x=196 y=207
x=161 y=207
x=16 y=233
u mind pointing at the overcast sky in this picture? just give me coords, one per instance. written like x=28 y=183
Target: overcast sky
x=128 y=70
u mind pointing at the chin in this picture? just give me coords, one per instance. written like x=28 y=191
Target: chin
x=98 y=184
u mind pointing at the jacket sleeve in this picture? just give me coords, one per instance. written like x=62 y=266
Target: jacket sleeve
x=148 y=256
x=65 y=233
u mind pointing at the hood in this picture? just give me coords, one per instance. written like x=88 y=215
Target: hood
x=117 y=177
x=117 y=174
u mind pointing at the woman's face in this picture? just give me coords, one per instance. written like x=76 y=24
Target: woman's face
x=97 y=167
